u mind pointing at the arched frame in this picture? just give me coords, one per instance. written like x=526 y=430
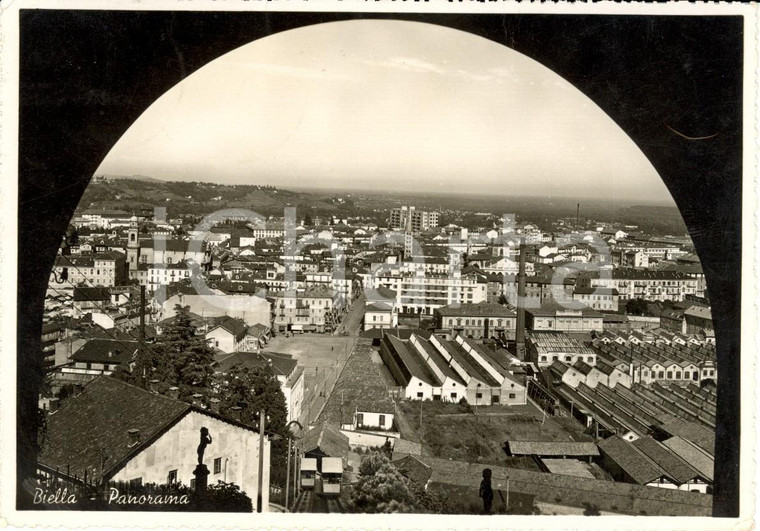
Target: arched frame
x=86 y=76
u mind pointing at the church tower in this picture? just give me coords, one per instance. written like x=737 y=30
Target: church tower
x=133 y=244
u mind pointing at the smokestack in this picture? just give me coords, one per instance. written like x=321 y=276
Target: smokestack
x=577 y=215
x=520 y=332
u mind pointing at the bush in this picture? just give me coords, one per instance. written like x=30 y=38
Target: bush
x=591 y=510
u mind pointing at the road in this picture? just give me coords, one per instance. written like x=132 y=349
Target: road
x=352 y=321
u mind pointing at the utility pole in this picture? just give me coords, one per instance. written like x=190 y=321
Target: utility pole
x=287 y=475
x=507 y=502
x=420 y=418
x=259 y=497
x=141 y=344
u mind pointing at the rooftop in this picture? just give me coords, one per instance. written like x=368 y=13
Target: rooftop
x=479 y=309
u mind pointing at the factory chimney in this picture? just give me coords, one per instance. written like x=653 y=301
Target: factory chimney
x=578 y=216
x=520 y=332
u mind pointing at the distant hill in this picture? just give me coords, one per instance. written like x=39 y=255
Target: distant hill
x=133 y=177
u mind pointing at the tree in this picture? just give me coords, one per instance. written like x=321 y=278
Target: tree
x=636 y=307
x=179 y=358
x=381 y=488
x=253 y=390
x=307 y=221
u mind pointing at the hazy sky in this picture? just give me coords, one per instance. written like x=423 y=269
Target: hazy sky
x=385 y=104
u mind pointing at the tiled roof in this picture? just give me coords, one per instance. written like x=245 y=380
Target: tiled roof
x=676 y=468
x=551 y=341
x=633 y=462
x=414 y=469
x=480 y=309
x=698 y=311
x=359 y=388
x=326 y=438
x=408 y=356
x=257 y=330
x=95 y=423
x=695 y=433
x=596 y=291
x=551 y=448
x=603 y=366
x=608 y=495
x=106 y=351
x=404 y=446
x=234 y=326
x=695 y=456
x=550 y=309
x=379 y=307
x=173 y=245
x=281 y=364
x=75 y=261
x=582 y=367
x=380 y=294
x=82 y=293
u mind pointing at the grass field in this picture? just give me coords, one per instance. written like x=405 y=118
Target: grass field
x=453 y=431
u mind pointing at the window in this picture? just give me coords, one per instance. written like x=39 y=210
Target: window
x=661 y=374
x=382 y=420
x=172 y=477
x=543 y=358
x=419 y=395
x=568 y=358
x=555 y=358
x=494 y=399
x=218 y=465
x=359 y=419
x=453 y=396
x=678 y=375
x=478 y=395
x=512 y=395
x=670 y=375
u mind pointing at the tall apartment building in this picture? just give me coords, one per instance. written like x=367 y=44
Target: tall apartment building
x=412 y=219
x=422 y=293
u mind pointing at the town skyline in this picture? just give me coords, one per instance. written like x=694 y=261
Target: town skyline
x=312 y=189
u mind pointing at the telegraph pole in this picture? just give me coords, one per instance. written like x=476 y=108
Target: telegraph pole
x=287 y=475
x=259 y=497
x=141 y=344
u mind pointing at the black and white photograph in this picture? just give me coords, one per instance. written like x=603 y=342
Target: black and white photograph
x=414 y=265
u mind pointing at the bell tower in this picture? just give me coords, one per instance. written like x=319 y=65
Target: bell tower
x=133 y=244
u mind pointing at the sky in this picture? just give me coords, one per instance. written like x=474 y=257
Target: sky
x=379 y=105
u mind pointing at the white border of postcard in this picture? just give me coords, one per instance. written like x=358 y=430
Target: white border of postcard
x=750 y=335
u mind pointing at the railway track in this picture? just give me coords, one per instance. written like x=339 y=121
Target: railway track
x=333 y=505
x=304 y=502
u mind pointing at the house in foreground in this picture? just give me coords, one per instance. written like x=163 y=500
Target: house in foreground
x=115 y=432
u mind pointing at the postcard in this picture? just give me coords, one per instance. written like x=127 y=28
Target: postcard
x=410 y=264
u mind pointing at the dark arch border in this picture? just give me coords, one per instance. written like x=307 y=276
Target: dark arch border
x=85 y=76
